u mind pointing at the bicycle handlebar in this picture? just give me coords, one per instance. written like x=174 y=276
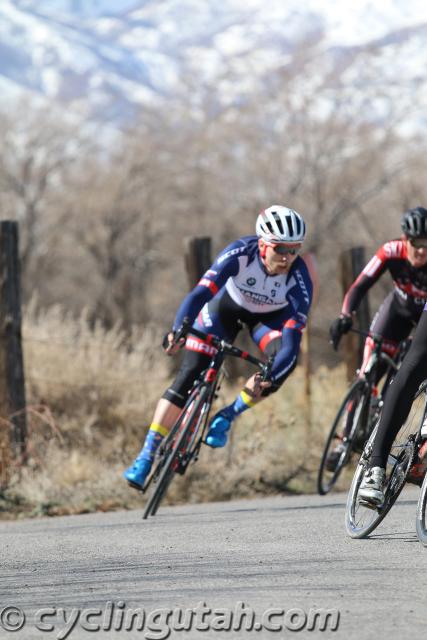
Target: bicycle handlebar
x=366 y=334
x=224 y=346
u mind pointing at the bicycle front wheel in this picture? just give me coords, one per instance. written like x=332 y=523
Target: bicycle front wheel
x=176 y=451
x=361 y=518
x=421 y=523
x=349 y=421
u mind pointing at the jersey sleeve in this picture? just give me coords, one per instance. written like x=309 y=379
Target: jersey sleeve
x=301 y=299
x=367 y=278
x=286 y=357
x=313 y=269
x=226 y=265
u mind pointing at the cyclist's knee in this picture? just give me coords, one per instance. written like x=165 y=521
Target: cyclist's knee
x=175 y=397
x=192 y=365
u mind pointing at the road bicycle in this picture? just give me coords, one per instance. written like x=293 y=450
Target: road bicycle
x=182 y=445
x=404 y=464
x=359 y=411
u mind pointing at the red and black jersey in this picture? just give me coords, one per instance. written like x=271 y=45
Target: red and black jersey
x=410 y=282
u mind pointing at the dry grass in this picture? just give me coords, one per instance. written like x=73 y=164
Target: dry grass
x=91 y=394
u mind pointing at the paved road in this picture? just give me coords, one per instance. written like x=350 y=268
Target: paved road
x=288 y=556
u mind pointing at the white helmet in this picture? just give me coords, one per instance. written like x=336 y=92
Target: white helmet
x=280 y=224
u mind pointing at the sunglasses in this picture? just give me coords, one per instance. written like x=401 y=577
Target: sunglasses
x=419 y=243
x=284 y=249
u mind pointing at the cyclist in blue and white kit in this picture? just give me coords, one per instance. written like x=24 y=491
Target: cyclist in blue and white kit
x=259 y=281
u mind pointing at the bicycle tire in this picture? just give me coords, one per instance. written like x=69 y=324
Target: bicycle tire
x=358 y=392
x=400 y=466
x=355 y=526
x=197 y=398
x=420 y=521
x=161 y=493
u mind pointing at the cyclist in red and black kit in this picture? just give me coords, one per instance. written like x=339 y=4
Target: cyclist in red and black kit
x=406 y=261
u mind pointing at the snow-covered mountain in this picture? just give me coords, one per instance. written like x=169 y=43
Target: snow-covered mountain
x=105 y=59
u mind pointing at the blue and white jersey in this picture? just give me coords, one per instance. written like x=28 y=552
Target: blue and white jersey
x=238 y=269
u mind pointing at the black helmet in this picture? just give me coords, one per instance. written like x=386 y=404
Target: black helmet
x=414 y=223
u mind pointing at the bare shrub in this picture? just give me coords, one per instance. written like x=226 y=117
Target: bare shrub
x=100 y=387
x=91 y=393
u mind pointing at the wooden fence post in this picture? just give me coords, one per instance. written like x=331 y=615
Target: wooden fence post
x=352 y=263
x=12 y=385
x=197 y=258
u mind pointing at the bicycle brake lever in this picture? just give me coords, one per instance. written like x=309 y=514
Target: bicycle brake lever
x=266 y=370
x=182 y=331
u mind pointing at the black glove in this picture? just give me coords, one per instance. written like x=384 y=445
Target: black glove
x=179 y=335
x=338 y=328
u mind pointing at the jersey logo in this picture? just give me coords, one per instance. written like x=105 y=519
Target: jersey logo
x=194 y=344
x=303 y=287
x=257 y=298
x=233 y=252
x=372 y=267
x=394 y=248
x=207 y=322
x=251 y=282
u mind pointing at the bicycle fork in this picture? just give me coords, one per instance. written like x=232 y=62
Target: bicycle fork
x=189 y=448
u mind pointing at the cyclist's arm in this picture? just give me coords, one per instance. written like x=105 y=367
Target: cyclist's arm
x=286 y=357
x=293 y=327
x=313 y=270
x=226 y=265
x=367 y=278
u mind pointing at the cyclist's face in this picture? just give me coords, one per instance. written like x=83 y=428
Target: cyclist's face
x=417 y=256
x=276 y=262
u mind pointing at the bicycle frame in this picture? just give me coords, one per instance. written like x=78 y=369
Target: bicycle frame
x=209 y=380
x=378 y=356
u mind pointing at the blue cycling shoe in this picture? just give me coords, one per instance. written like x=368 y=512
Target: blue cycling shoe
x=138 y=472
x=218 y=431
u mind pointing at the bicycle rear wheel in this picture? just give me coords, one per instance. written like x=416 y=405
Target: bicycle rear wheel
x=361 y=519
x=169 y=463
x=350 y=419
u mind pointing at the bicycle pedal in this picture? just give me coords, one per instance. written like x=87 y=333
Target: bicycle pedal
x=136 y=486
x=369 y=505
